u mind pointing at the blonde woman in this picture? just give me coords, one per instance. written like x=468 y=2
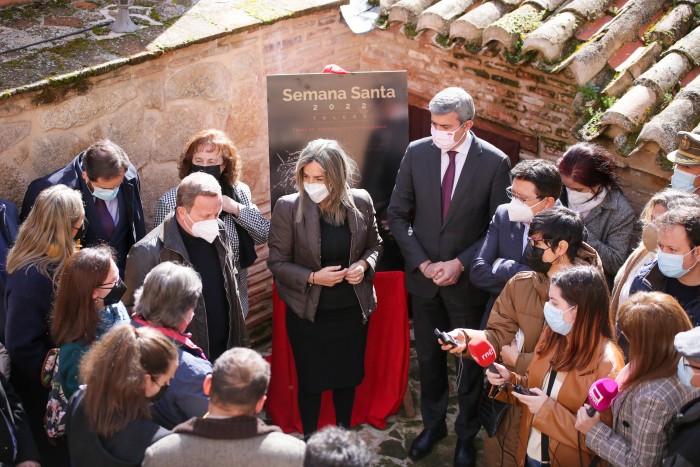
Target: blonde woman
x=212 y=152
x=45 y=241
x=324 y=247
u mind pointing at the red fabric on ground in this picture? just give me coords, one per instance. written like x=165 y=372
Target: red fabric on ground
x=386 y=363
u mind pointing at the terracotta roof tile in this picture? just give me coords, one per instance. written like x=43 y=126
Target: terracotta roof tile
x=631 y=68
x=471 y=26
x=551 y=38
x=592 y=57
x=682 y=114
x=673 y=26
x=439 y=16
x=407 y=11
x=689 y=46
x=509 y=29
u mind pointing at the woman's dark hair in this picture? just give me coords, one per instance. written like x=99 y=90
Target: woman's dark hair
x=114 y=370
x=650 y=322
x=543 y=174
x=590 y=165
x=557 y=224
x=74 y=314
x=584 y=287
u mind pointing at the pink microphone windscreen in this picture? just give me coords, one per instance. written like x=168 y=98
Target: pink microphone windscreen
x=602 y=393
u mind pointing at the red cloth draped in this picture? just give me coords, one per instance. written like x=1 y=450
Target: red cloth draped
x=386 y=363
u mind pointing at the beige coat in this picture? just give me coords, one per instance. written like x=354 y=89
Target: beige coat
x=295 y=251
x=556 y=418
x=520 y=306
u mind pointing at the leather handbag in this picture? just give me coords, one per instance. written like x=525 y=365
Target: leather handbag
x=491 y=411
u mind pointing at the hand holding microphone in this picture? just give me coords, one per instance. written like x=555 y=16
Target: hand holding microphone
x=484 y=354
x=601 y=395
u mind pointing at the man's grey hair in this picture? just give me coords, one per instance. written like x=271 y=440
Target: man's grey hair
x=453 y=100
x=169 y=291
x=239 y=379
x=196 y=184
x=336 y=447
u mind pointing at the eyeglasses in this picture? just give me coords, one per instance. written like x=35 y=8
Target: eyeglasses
x=690 y=365
x=110 y=285
x=535 y=241
x=511 y=195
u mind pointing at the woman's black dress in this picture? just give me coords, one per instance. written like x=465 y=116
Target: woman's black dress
x=330 y=352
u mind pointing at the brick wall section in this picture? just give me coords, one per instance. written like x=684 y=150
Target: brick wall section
x=151 y=109
x=521 y=98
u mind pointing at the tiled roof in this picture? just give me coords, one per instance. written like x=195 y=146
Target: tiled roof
x=637 y=61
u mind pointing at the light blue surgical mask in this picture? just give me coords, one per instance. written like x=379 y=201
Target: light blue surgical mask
x=105 y=194
x=681 y=180
x=672 y=265
x=555 y=319
x=685 y=373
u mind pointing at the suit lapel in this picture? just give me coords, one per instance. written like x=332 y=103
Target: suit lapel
x=470 y=168
x=434 y=178
x=312 y=227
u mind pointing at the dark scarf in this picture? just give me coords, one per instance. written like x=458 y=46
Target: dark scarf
x=240 y=427
x=246 y=245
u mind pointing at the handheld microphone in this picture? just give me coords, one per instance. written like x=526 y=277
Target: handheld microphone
x=483 y=353
x=601 y=395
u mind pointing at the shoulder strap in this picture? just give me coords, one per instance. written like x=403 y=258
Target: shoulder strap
x=545 y=438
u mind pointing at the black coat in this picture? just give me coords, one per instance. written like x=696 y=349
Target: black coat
x=9 y=225
x=684 y=448
x=129 y=191
x=16 y=426
x=123 y=449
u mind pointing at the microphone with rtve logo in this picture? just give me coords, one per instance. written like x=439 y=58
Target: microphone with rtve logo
x=483 y=353
x=601 y=395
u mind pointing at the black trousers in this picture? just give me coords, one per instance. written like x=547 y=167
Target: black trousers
x=437 y=312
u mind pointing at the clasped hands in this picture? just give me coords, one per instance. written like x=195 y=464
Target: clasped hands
x=332 y=275
x=442 y=272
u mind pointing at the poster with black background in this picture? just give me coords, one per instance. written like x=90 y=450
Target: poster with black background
x=366 y=112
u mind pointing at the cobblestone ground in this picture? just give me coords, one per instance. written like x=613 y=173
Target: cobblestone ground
x=390 y=445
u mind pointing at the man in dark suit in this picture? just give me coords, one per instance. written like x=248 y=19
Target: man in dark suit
x=447 y=189
x=536 y=187
x=111 y=193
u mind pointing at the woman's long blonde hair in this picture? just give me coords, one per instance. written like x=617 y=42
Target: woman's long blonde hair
x=339 y=171
x=45 y=239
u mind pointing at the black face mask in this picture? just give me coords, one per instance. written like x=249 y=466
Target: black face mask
x=533 y=258
x=115 y=294
x=213 y=170
x=160 y=394
x=80 y=234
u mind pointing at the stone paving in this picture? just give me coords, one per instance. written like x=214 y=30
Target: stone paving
x=390 y=445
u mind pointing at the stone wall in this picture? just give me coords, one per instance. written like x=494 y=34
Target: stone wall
x=151 y=110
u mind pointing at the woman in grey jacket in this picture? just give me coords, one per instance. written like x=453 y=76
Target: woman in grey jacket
x=588 y=172
x=324 y=247
x=211 y=151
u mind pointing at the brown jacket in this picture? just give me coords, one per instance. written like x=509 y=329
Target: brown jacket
x=295 y=251
x=520 y=306
x=556 y=418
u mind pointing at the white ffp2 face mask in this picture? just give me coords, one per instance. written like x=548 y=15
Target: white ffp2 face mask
x=445 y=140
x=519 y=211
x=577 y=198
x=316 y=191
x=207 y=230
